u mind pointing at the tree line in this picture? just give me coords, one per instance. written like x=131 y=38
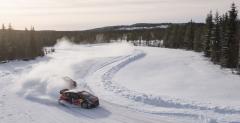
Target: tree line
x=18 y=44
x=222 y=39
x=28 y=44
x=218 y=38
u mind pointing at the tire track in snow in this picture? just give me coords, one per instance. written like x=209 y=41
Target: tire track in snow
x=96 y=67
x=109 y=85
x=124 y=60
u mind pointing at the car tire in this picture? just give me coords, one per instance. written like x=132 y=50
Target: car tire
x=84 y=105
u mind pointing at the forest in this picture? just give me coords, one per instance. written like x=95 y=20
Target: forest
x=218 y=38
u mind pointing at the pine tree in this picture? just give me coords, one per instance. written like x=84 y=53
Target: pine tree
x=3 y=27
x=215 y=40
x=232 y=38
x=9 y=43
x=189 y=36
x=224 y=41
x=198 y=38
x=33 y=45
x=1 y=47
x=207 y=42
x=238 y=38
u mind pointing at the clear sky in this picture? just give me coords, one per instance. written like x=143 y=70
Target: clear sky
x=86 y=14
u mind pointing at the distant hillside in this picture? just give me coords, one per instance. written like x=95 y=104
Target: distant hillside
x=137 y=26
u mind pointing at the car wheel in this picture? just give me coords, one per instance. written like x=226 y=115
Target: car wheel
x=84 y=105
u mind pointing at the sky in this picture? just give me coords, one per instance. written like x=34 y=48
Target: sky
x=87 y=14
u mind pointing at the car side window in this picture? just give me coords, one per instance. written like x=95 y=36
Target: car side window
x=67 y=94
x=81 y=96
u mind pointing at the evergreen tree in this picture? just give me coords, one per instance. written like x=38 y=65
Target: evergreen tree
x=198 y=38
x=3 y=27
x=215 y=40
x=224 y=41
x=2 y=52
x=9 y=43
x=238 y=67
x=33 y=45
x=207 y=42
x=232 y=38
x=189 y=36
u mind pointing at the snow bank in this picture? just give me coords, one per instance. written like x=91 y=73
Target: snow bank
x=44 y=80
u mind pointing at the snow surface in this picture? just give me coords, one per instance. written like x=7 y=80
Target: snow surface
x=139 y=28
x=134 y=84
x=181 y=74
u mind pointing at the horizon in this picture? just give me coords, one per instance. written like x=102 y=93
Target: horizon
x=83 y=15
x=7 y=25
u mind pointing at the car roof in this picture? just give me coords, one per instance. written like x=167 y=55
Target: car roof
x=76 y=91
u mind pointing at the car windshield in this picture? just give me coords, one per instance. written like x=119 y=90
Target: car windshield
x=86 y=94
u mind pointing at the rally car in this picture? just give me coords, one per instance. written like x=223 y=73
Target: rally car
x=78 y=98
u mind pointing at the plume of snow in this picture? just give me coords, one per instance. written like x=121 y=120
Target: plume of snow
x=44 y=80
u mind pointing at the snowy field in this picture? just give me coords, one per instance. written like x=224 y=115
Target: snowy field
x=134 y=84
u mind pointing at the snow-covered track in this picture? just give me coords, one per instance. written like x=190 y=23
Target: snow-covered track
x=193 y=110
x=112 y=86
x=130 y=100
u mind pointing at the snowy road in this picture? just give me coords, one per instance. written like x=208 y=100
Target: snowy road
x=32 y=105
x=29 y=90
